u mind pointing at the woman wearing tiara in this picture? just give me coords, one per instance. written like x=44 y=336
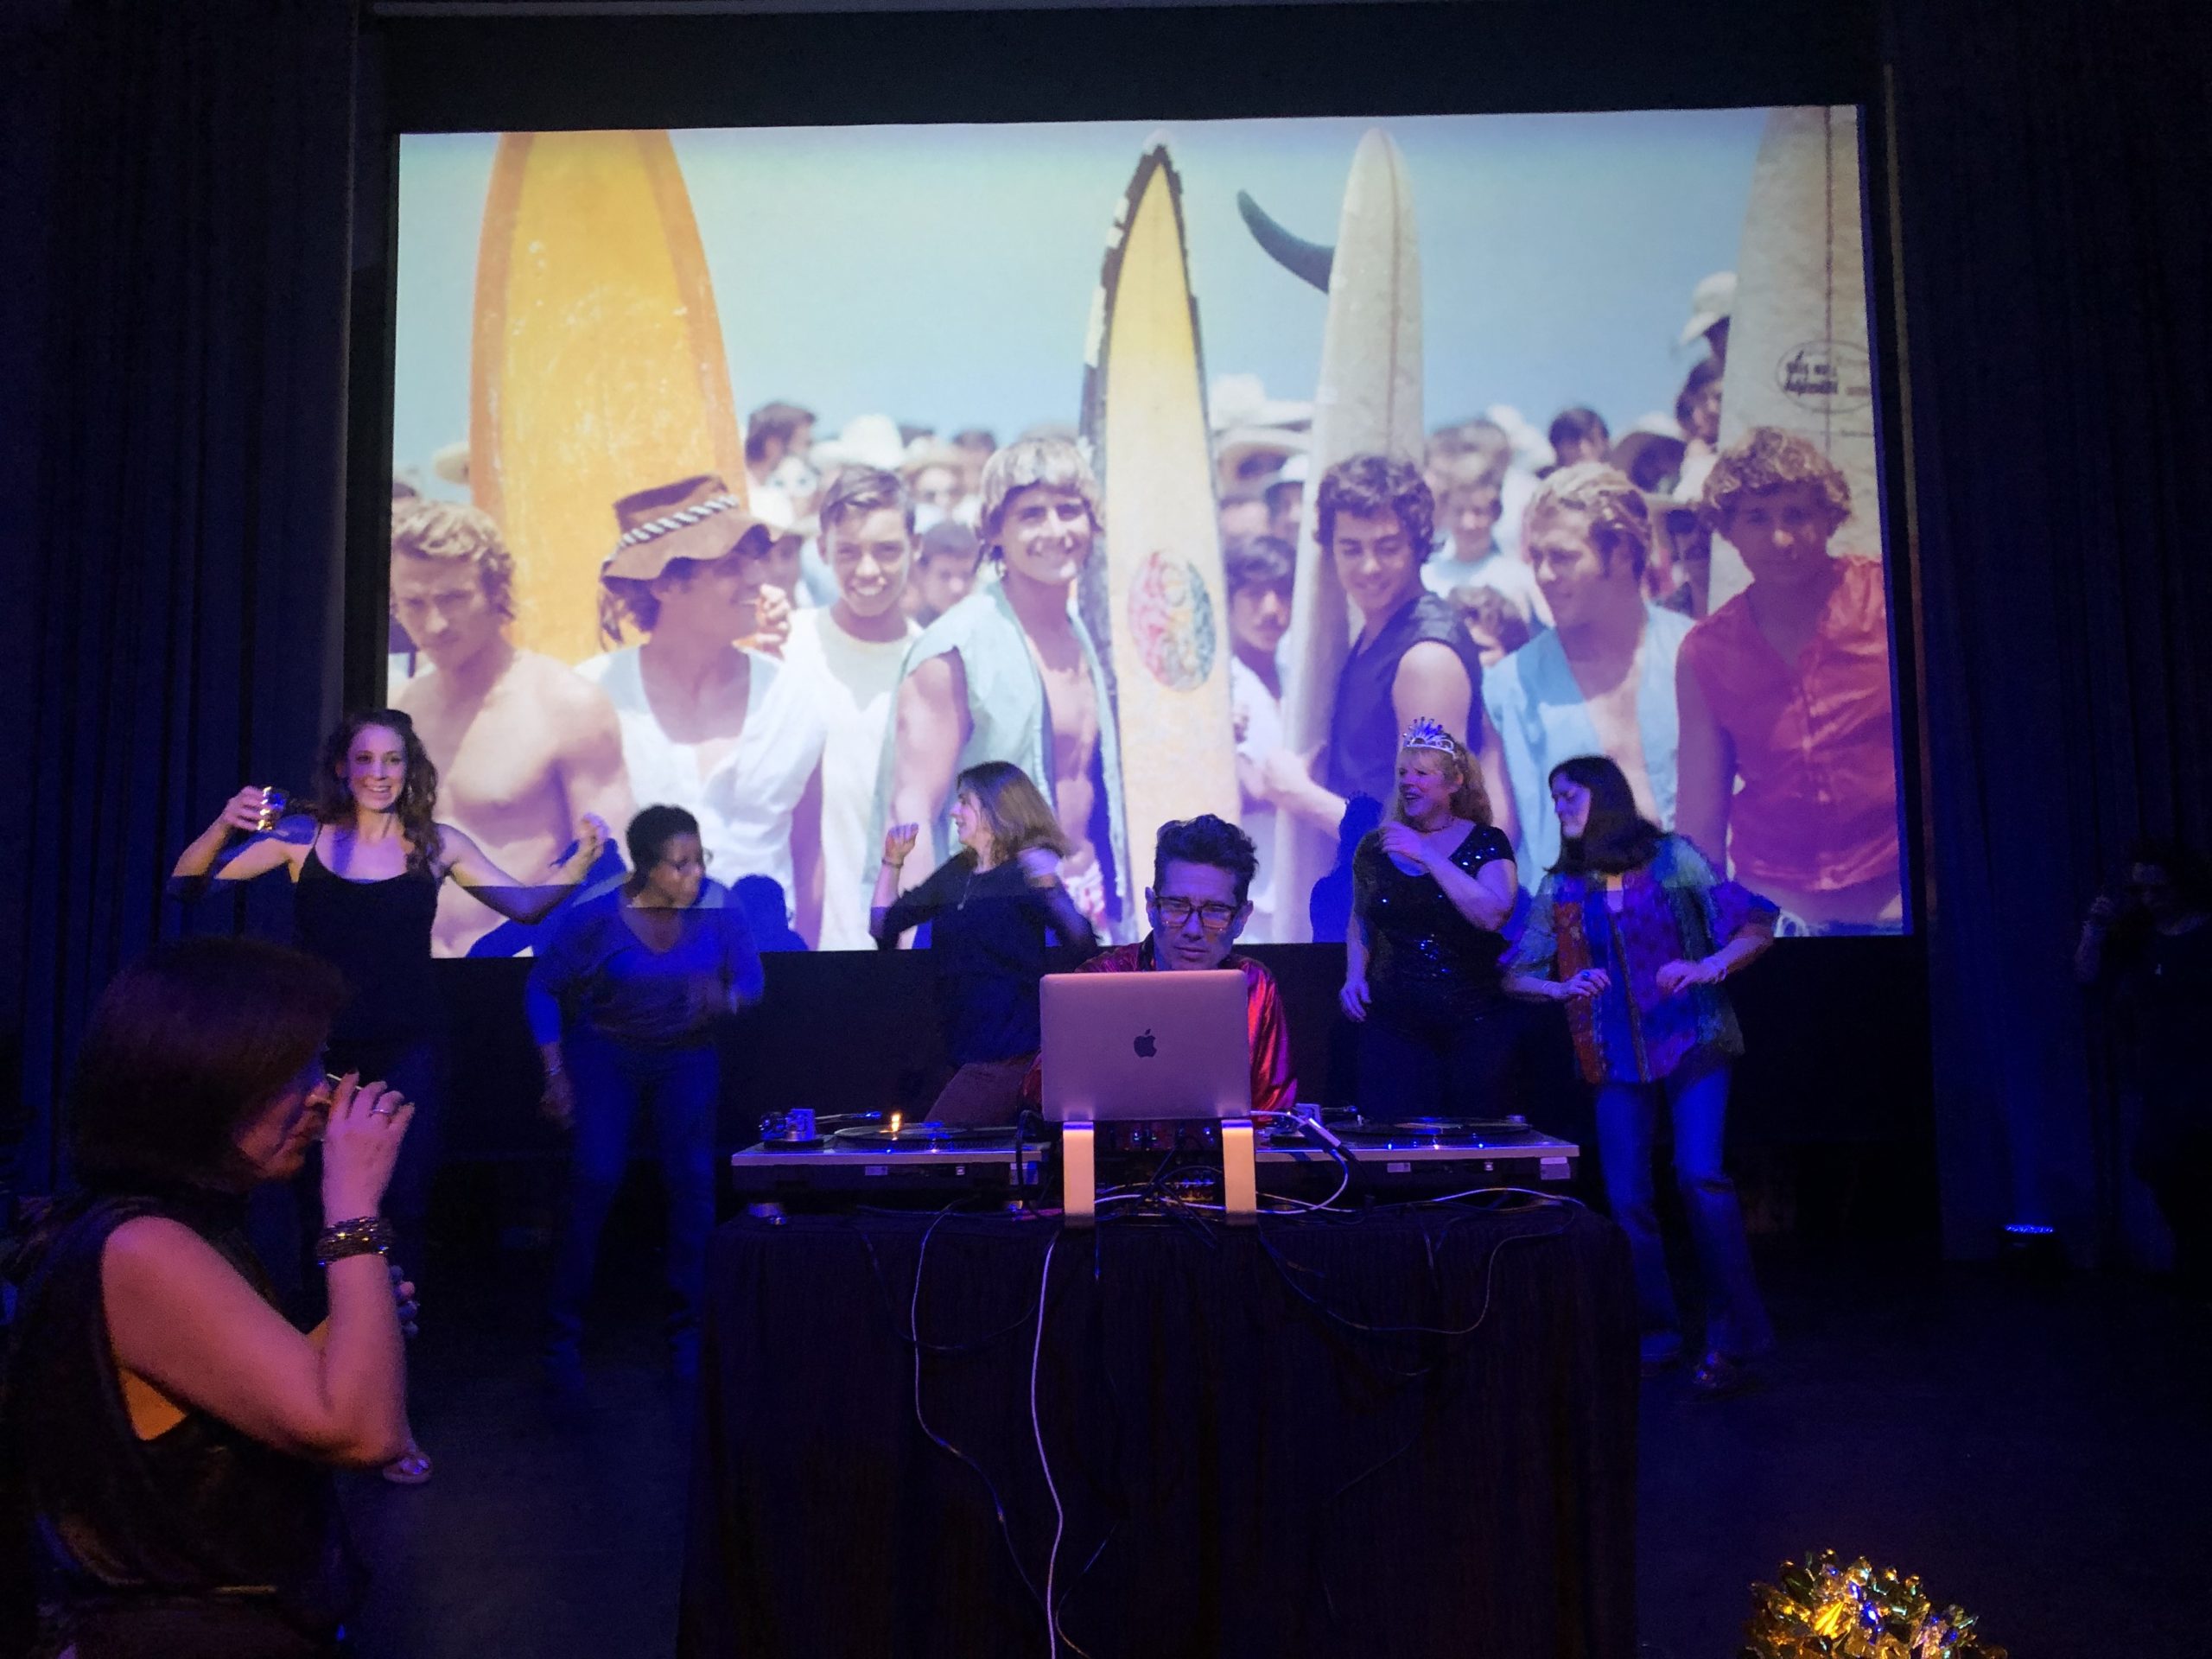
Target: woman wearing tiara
x=1432 y=887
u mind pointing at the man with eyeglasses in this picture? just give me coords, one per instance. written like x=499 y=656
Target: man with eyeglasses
x=1200 y=901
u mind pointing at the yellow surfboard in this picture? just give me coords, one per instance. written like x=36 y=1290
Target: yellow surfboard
x=1369 y=401
x=597 y=365
x=1163 y=626
x=1797 y=347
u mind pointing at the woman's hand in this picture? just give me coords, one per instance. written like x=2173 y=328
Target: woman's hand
x=592 y=837
x=1675 y=978
x=1403 y=844
x=360 y=1144
x=243 y=810
x=1040 y=867
x=899 y=843
x=558 y=1103
x=1353 y=999
x=1283 y=773
x=2102 y=912
x=1582 y=987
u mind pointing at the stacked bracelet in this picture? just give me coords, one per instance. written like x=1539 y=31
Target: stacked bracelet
x=365 y=1235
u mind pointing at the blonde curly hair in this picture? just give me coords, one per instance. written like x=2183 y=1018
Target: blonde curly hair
x=1768 y=458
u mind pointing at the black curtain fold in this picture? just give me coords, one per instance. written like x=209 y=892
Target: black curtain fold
x=2052 y=179
x=175 y=465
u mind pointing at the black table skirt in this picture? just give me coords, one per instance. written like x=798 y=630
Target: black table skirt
x=1241 y=1468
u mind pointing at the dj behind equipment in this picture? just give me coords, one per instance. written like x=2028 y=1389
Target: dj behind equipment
x=1164 y=1080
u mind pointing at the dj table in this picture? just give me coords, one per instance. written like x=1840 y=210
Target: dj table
x=1411 y=1433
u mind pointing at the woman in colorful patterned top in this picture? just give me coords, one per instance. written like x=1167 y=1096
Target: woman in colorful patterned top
x=1634 y=932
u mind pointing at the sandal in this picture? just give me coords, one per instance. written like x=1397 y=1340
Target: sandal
x=411 y=1470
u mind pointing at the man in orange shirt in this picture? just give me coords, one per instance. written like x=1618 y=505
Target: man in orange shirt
x=1786 y=688
x=1199 y=902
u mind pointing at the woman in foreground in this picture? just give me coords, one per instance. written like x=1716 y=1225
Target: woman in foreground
x=170 y=1433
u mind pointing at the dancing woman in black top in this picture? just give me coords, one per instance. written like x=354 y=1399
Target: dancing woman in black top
x=164 y=1430
x=1000 y=920
x=365 y=861
x=1432 y=887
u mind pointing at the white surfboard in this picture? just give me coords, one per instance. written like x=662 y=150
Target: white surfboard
x=1797 y=341
x=1368 y=401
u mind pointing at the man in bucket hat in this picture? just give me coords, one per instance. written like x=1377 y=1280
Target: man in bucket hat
x=707 y=725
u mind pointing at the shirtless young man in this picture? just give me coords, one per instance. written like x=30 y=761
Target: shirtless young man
x=725 y=732
x=1010 y=674
x=522 y=745
x=1602 y=681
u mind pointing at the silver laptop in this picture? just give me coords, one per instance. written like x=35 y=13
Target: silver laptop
x=1162 y=1045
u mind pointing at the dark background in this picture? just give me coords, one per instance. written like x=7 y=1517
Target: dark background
x=195 y=347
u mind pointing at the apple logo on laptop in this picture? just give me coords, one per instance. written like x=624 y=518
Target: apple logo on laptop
x=1145 y=1046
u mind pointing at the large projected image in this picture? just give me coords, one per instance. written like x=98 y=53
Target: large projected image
x=785 y=474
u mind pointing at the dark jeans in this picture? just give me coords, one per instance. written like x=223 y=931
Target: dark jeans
x=2175 y=1160
x=614 y=1084
x=1437 y=1068
x=1628 y=1125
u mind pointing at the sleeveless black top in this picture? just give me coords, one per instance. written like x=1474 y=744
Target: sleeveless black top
x=1363 y=726
x=377 y=935
x=202 y=1512
x=1424 y=961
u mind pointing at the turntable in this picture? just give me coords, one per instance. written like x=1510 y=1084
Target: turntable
x=871 y=1157
x=1414 y=1156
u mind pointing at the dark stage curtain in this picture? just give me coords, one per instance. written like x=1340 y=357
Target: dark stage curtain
x=177 y=183
x=2053 y=179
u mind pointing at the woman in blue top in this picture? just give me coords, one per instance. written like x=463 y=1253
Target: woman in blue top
x=1634 y=932
x=624 y=1001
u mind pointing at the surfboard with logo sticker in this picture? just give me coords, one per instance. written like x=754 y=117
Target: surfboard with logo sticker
x=1368 y=400
x=1162 y=614
x=1797 y=341
x=596 y=367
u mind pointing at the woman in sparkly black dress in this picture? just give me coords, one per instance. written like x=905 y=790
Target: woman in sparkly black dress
x=1432 y=887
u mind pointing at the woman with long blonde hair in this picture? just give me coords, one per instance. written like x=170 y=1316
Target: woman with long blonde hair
x=1000 y=920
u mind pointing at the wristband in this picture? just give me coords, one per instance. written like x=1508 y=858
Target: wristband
x=363 y=1236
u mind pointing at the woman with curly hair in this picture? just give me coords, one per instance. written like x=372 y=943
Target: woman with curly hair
x=1000 y=920
x=1786 y=768
x=365 y=860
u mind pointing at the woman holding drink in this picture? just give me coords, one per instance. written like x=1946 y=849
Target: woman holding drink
x=365 y=861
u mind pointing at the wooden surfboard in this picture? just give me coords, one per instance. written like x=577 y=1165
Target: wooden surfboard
x=1797 y=342
x=1160 y=616
x=1368 y=400
x=597 y=365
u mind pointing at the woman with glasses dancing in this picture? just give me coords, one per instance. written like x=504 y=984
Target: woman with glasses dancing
x=1000 y=920
x=1634 y=932
x=1432 y=887
x=624 y=1003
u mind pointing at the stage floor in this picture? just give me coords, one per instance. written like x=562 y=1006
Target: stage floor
x=2036 y=1455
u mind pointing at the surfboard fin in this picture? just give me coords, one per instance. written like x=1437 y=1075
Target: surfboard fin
x=1309 y=261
